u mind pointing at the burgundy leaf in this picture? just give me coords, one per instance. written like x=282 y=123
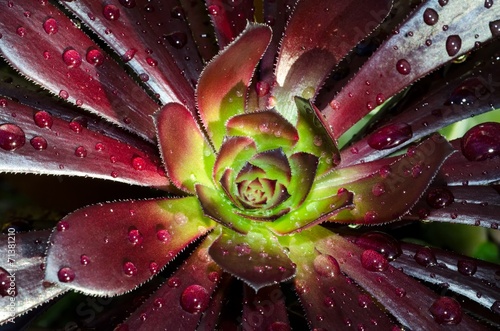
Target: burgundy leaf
x=265 y=309
x=433 y=35
x=458 y=170
x=453 y=272
x=71 y=65
x=229 y=18
x=231 y=72
x=210 y=318
x=337 y=28
x=268 y=128
x=257 y=258
x=337 y=303
x=153 y=51
x=140 y=238
x=22 y=286
x=196 y=14
x=466 y=93
x=187 y=154
x=412 y=304
x=180 y=302
x=34 y=141
x=390 y=192
x=472 y=205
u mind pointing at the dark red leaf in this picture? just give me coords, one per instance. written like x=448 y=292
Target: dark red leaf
x=153 y=51
x=256 y=258
x=337 y=28
x=187 y=154
x=456 y=273
x=210 y=318
x=34 y=141
x=472 y=205
x=22 y=285
x=337 y=303
x=405 y=57
x=225 y=79
x=468 y=91
x=265 y=309
x=408 y=301
x=458 y=170
x=229 y=18
x=185 y=296
x=69 y=64
x=139 y=238
x=390 y=192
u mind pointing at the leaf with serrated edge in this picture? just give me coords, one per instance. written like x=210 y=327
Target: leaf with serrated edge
x=139 y=238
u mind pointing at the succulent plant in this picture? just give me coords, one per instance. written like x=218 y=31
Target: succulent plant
x=231 y=113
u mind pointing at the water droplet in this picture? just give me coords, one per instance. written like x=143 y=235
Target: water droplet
x=425 y=257
x=144 y=77
x=152 y=62
x=127 y=3
x=446 y=310
x=213 y=10
x=443 y=3
x=370 y=216
x=174 y=282
x=213 y=276
x=43 y=119
x=482 y=142
x=66 y=275
x=163 y=235
x=468 y=92
x=430 y=16
x=63 y=94
x=38 y=143
x=439 y=198
x=3 y=103
x=364 y=300
x=99 y=147
x=378 y=189
x=80 y=151
x=488 y=4
x=62 y=226
x=129 y=269
x=111 y=12
x=159 y=302
x=495 y=307
x=380 y=242
x=72 y=58
x=12 y=137
x=467 y=267
x=129 y=55
x=5 y=284
x=50 y=26
x=495 y=28
x=178 y=13
x=134 y=236
x=149 y=8
x=403 y=67
x=390 y=136
x=154 y=267
x=326 y=265
x=400 y=292
x=94 y=57
x=373 y=261
x=176 y=39
x=453 y=44
x=138 y=163
x=21 y=31
x=195 y=299
x=262 y=88
x=84 y=259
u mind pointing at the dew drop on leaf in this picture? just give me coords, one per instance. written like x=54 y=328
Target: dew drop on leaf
x=64 y=94
x=467 y=267
x=373 y=261
x=62 y=226
x=213 y=276
x=154 y=267
x=194 y=299
x=134 y=236
x=403 y=67
x=50 y=26
x=213 y=10
x=495 y=307
x=262 y=88
x=99 y=147
x=446 y=310
x=174 y=282
x=439 y=198
x=482 y=142
x=144 y=77
x=12 y=137
x=138 y=163
x=66 y=275
x=430 y=16
x=129 y=55
x=84 y=259
x=129 y=269
x=43 y=119
x=178 y=13
x=5 y=281
x=390 y=136
x=72 y=58
x=128 y=3
x=80 y=151
x=111 y=12
x=163 y=235
x=159 y=303
x=495 y=28
x=364 y=300
x=326 y=265
x=380 y=242
x=453 y=45
x=443 y=3
x=176 y=39
x=94 y=57
x=425 y=257
x=38 y=143
x=21 y=31
x=152 y=62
